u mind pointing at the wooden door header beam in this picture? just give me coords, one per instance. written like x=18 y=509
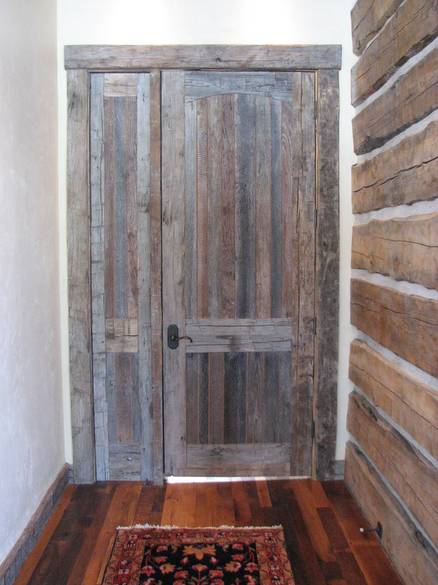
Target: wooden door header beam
x=140 y=57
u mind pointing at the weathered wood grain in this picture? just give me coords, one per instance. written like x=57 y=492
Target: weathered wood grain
x=405 y=324
x=409 y=473
x=304 y=159
x=237 y=397
x=121 y=335
x=78 y=238
x=327 y=274
x=232 y=460
x=405 y=173
x=245 y=207
x=144 y=275
x=277 y=209
x=202 y=84
x=235 y=392
x=199 y=269
x=239 y=335
x=122 y=260
x=409 y=99
x=407 y=400
x=149 y=274
x=120 y=85
x=99 y=328
x=125 y=213
x=284 y=57
x=154 y=208
x=263 y=236
x=174 y=362
x=404 y=248
x=407 y=545
x=367 y=18
x=413 y=25
x=214 y=215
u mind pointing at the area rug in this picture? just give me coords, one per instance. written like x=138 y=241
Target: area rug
x=155 y=555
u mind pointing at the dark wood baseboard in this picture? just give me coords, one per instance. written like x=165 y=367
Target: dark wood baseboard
x=12 y=564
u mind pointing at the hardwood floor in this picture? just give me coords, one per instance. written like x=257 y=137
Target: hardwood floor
x=321 y=523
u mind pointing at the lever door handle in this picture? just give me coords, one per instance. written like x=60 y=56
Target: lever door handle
x=173 y=337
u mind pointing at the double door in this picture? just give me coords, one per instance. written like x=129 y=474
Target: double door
x=203 y=264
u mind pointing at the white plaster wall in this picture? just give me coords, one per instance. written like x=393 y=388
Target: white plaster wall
x=217 y=21
x=31 y=430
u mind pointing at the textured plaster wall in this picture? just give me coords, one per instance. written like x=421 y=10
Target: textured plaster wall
x=31 y=431
x=214 y=21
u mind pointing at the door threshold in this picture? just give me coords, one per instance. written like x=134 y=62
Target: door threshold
x=173 y=479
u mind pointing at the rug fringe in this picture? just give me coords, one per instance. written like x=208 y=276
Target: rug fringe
x=222 y=526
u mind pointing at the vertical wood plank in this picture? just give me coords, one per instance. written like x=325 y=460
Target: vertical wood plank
x=78 y=236
x=255 y=390
x=216 y=398
x=263 y=204
x=269 y=398
x=125 y=405
x=144 y=270
x=192 y=390
x=245 y=207
x=214 y=205
x=227 y=166
x=203 y=397
x=276 y=211
x=173 y=264
x=156 y=387
x=191 y=212
x=327 y=273
x=283 y=415
x=235 y=397
x=202 y=207
x=302 y=409
x=144 y=277
x=97 y=187
x=290 y=151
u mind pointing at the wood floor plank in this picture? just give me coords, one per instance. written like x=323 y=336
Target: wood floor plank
x=120 y=512
x=303 y=558
x=146 y=502
x=263 y=494
x=179 y=505
x=312 y=520
x=370 y=556
x=242 y=508
x=77 y=573
x=56 y=565
x=34 y=558
x=227 y=504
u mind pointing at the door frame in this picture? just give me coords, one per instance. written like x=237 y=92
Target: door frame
x=80 y=62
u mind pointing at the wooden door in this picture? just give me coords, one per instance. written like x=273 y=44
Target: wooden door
x=125 y=274
x=238 y=188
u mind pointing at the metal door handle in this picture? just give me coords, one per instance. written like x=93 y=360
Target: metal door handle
x=173 y=337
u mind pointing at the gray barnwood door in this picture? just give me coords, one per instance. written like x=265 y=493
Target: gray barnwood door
x=238 y=188
x=125 y=279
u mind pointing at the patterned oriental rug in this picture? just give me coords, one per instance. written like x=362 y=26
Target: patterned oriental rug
x=156 y=555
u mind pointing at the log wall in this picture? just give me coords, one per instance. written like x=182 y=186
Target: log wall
x=392 y=458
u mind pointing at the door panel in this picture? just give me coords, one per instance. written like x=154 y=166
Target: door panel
x=125 y=210
x=238 y=271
